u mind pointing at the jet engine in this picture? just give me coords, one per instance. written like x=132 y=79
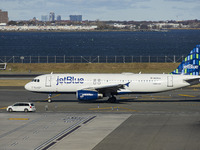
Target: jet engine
x=88 y=95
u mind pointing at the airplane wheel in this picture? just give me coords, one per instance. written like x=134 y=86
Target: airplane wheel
x=112 y=99
x=49 y=98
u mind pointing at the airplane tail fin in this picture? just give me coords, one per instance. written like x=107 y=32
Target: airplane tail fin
x=190 y=65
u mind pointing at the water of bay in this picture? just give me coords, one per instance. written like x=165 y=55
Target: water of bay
x=174 y=42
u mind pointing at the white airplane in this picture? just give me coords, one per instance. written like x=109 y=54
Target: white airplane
x=96 y=86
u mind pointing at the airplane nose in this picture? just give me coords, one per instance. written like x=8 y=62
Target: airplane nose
x=27 y=87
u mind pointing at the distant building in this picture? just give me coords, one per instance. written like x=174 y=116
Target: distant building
x=168 y=25
x=3 y=16
x=34 y=19
x=75 y=18
x=44 y=18
x=58 y=18
x=119 y=25
x=51 y=16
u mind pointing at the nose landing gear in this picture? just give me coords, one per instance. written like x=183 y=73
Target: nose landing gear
x=49 y=98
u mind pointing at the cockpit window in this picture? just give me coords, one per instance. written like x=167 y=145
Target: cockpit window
x=36 y=80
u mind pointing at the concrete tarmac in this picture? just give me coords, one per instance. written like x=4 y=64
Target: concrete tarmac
x=169 y=120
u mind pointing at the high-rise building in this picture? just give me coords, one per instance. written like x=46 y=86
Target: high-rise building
x=44 y=18
x=75 y=17
x=58 y=18
x=3 y=16
x=51 y=16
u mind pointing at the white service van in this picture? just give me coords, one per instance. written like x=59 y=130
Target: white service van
x=21 y=106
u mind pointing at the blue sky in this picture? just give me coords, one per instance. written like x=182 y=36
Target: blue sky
x=123 y=10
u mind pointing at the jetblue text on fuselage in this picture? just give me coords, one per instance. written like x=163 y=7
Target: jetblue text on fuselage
x=69 y=80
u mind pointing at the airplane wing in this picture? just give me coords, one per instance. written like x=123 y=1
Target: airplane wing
x=109 y=88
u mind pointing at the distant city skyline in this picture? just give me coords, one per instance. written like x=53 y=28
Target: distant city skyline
x=138 y=10
x=52 y=17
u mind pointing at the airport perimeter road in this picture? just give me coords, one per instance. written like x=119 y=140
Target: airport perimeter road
x=18 y=76
x=165 y=121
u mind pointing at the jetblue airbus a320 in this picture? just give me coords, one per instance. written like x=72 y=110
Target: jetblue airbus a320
x=96 y=86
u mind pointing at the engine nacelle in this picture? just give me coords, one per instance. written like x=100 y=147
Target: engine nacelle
x=88 y=95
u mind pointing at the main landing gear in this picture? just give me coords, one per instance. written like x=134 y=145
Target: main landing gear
x=112 y=99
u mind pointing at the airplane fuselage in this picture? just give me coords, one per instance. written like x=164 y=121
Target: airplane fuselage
x=136 y=83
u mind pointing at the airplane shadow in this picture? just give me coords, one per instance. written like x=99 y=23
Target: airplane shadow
x=119 y=101
x=53 y=101
x=158 y=101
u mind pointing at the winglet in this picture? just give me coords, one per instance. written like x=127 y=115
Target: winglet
x=127 y=84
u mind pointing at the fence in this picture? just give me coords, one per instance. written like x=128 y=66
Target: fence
x=91 y=59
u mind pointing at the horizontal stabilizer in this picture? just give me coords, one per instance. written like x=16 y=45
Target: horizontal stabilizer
x=193 y=81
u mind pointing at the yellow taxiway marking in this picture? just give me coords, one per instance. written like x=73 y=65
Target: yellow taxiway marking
x=18 y=119
x=157 y=96
x=102 y=108
x=111 y=108
x=52 y=97
x=195 y=89
x=3 y=108
x=127 y=97
x=142 y=97
x=128 y=109
x=186 y=95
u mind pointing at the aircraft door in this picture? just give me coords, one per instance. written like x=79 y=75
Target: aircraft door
x=48 y=81
x=170 y=81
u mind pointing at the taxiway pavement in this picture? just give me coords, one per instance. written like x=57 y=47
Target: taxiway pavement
x=169 y=120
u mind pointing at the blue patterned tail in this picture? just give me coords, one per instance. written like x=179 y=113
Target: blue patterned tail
x=190 y=65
